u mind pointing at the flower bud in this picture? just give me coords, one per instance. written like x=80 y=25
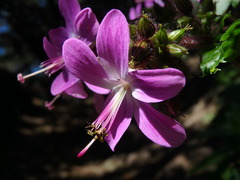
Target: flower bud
x=177 y=34
x=133 y=33
x=160 y=39
x=176 y=50
x=145 y=27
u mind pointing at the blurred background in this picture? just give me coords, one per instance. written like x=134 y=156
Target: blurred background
x=40 y=144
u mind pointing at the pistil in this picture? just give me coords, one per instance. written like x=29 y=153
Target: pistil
x=50 y=67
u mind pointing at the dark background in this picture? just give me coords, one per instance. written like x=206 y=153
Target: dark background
x=39 y=144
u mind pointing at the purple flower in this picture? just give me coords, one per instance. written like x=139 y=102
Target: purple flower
x=135 y=12
x=130 y=90
x=82 y=25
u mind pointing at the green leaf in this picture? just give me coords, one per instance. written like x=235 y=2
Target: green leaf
x=231 y=42
x=227 y=50
x=230 y=50
x=230 y=30
x=226 y=175
x=235 y=3
x=226 y=16
x=210 y=60
x=230 y=173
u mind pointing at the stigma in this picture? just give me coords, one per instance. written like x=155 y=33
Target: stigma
x=48 y=67
x=49 y=104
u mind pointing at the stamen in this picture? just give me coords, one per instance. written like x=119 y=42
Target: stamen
x=58 y=64
x=100 y=127
x=50 y=67
x=49 y=105
x=22 y=78
x=92 y=130
x=116 y=105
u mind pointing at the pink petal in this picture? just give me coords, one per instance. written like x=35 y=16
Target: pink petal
x=135 y=12
x=121 y=122
x=57 y=37
x=156 y=85
x=132 y=13
x=113 y=40
x=139 y=1
x=148 y=1
x=64 y=82
x=53 y=46
x=77 y=90
x=160 y=3
x=82 y=63
x=50 y=50
x=158 y=127
x=149 y=4
x=86 y=25
x=97 y=89
x=69 y=10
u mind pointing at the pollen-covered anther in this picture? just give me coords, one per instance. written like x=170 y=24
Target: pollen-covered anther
x=98 y=133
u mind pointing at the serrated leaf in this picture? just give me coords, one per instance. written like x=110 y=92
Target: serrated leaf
x=230 y=30
x=231 y=42
x=210 y=60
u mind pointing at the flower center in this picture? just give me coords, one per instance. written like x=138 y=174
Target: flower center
x=102 y=125
x=49 y=67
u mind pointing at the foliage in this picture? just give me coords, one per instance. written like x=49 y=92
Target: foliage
x=225 y=51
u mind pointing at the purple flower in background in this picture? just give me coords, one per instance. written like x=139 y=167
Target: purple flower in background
x=82 y=25
x=135 y=12
x=130 y=90
x=150 y=3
